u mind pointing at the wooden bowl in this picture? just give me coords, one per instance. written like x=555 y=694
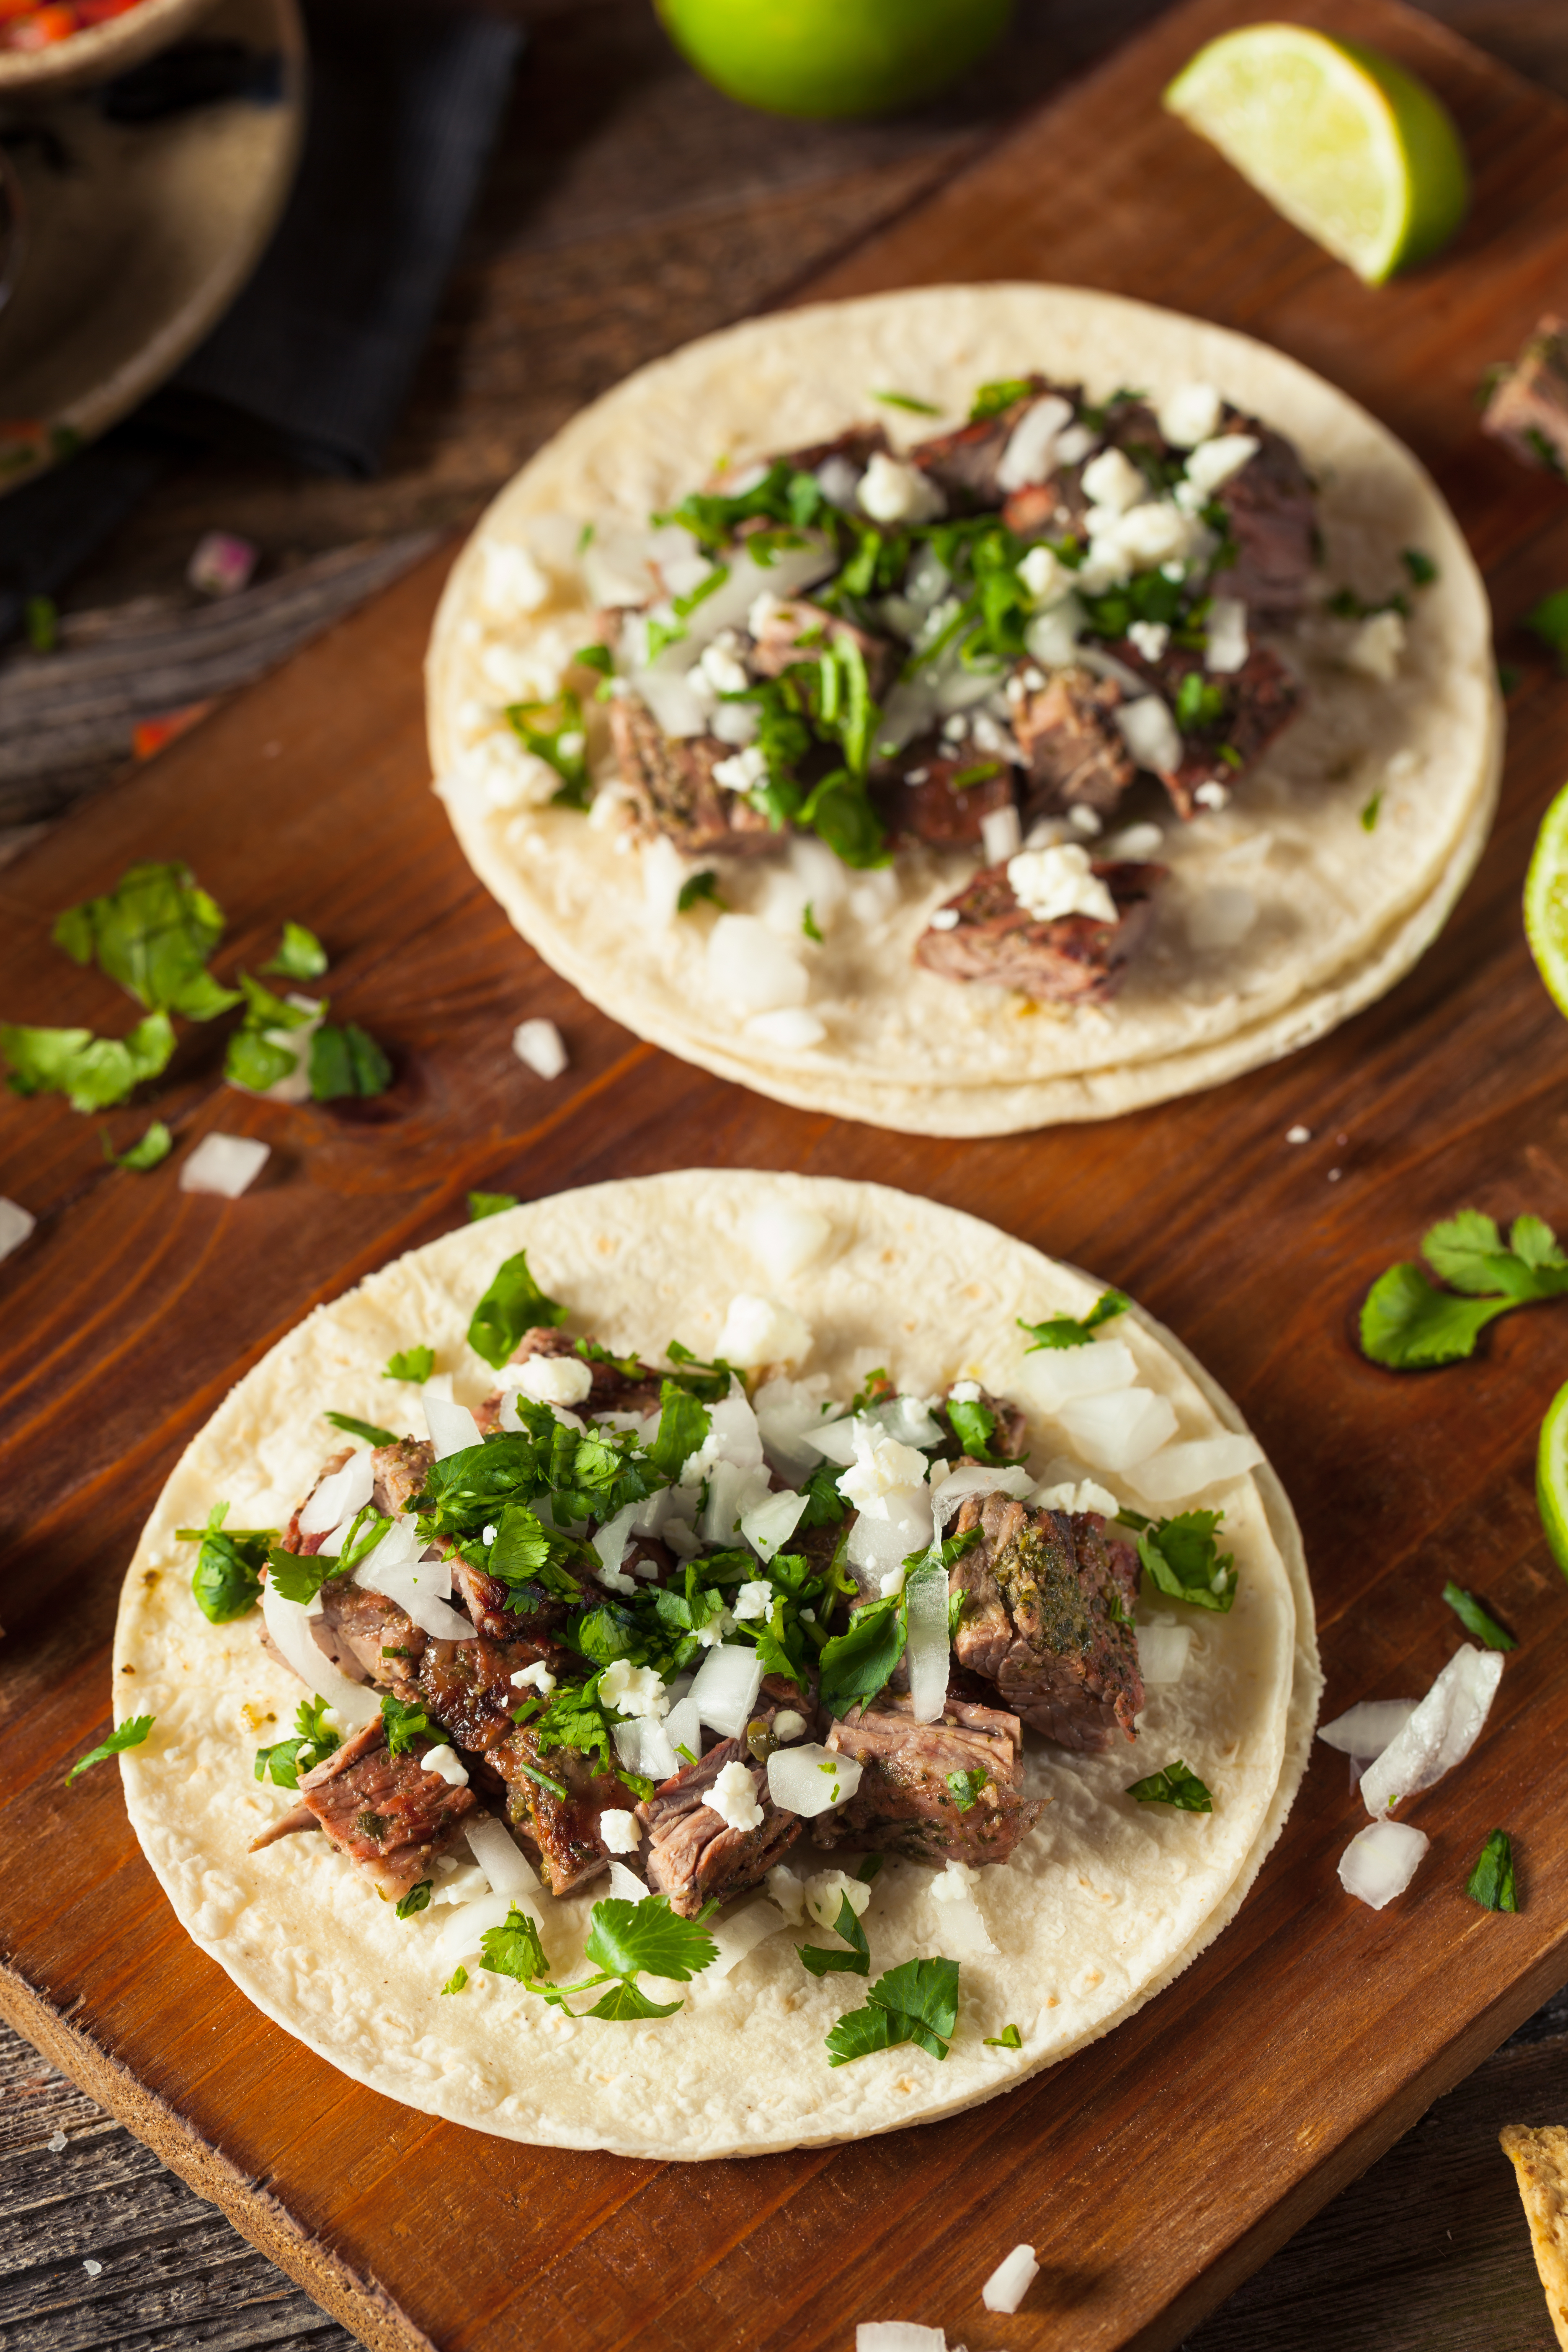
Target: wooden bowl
x=101 y=51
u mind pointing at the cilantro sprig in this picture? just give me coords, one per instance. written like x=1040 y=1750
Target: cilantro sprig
x=916 y=2002
x=625 y=1940
x=1491 y=1883
x=1173 y=1785
x=227 y=1579
x=1182 y=1559
x=1408 y=1324
x=856 y=1961
x=314 y=1739
x=129 y=1734
x=1074 y=1330
x=512 y=1304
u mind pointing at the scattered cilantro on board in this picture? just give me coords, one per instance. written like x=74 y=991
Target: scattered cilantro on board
x=1491 y=1883
x=148 y=1151
x=1475 y=1620
x=489 y=1204
x=1408 y=1324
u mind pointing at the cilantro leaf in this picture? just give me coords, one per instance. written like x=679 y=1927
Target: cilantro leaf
x=709 y=1381
x=698 y=887
x=129 y=1734
x=410 y=1364
x=825 y=1505
x=365 y=1429
x=1491 y=1883
x=227 y=1579
x=512 y=1304
x=683 y=1425
x=488 y=1204
x=993 y=398
x=627 y=1936
x=313 y=1740
x=1181 y=1558
x=514 y=1949
x=1008 y=2039
x=1173 y=1785
x=1075 y=1331
x=300 y=955
x=857 y=1664
x=148 y=1151
x=299 y=1576
x=1420 y=567
x=405 y=1724
x=347 y=1061
x=916 y=2002
x=907 y=400
x=625 y=2003
x=458 y=1977
x=256 y=1063
x=855 y=1962
x=966 y=1788
x=92 y=1073
x=1475 y=1620
x=1407 y=1323
x=153 y=933
x=416 y=1899
x=554 y=732
x=1549 y=619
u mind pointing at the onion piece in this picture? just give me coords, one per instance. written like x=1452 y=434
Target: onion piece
x=1162 y=1653
x=1114 y=1432
x=725 y=1689
x=1381 y=1860
x=452 y=1427
x=462 y=1934
x=768 y=1526
x=540 y=1045
x=734 y=1491
x=501 y=1857
x=1190 y=1465
x=882 y=1540
x=833 y=1440
x=643 y=1747
x=15 y=1225
x=1439 y=1734
x=288 y=1625
x=225 y=1164
x=337 y=1498
x=682 y=1727
x=418 y=1587
x=807 y=1781
x=1369 y=1726
x=625 y=1886
x=611 y=1540
x=976 y=1480
x=907 y=1421
x=1011 y=2279
x=927 y=1649
x=1053 y=1376
x=899 y=2336
x=740 y=1934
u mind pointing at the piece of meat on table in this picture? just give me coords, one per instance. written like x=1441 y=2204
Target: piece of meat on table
x=935 y=1792
x=553 y=1800
x=1241 y=710
x=670 y=781
x=1071 y=959
x=940 y=799
x=1527 y=407
x=1072 y=746
x=1271 y=518
x=1046 y=1595
x=384 y=1812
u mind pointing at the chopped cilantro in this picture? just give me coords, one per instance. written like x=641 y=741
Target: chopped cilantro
x=684 y=606
x=153 y=933
x=1176 y=1786
x=299 y=1576
x=313 y=1740
x=365 y=1429
x=512 y=1304
x=1491 y=1883
x=697 y=887
x=855 y=1962
x=554 y=732
x=966 y=1788
x=300 y=955
x=1475 y=1620
x=857 y=1664
x=458 y=1977
x=92 y=1073
x=148 y=1151
x=625 y=1939
x=41 y=624
x=410 y=1364
x=808 y=924
x=709 y=1381
x=1181 y=1559
x=347 y=1061
x=405 y=1724
x=1370 y=812
x=489 y=1204
x=226 y=1580
x=916 y=2002
x=1008 y=2039
x=993 y=398
x=416 y=1899
x=907 y=400
x=1408 y=1324
x=129 y=1734
x=595 y=657
x=1198 y=704
x=1075 y=1331
x=514 y=1949
x=1421 y=568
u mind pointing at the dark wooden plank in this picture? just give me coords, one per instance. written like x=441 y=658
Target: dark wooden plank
x=135 y=1307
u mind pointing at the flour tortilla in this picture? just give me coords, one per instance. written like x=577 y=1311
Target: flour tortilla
x=1101 y=1905
x=1342 y=912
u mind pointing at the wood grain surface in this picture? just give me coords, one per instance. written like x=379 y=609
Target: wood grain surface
x=1155 y=2171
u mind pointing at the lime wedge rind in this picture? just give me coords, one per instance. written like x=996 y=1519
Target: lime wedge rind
x=1551 y=1477
x=1546 y=901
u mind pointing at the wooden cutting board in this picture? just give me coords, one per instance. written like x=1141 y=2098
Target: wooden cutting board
x=1153 y=2171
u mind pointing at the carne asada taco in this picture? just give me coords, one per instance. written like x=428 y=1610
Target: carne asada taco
x=810 y=1663
x=1124 y=723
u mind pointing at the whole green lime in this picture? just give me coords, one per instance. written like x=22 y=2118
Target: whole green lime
x=827 y=57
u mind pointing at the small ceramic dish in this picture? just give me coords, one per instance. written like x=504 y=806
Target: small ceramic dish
x=99 y=51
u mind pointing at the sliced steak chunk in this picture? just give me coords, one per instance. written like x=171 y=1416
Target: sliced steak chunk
x=963 y=462
x=1072 y=743
x=523 y=1613
x=467 y=1686
x=385 y=1812
x=1527 y=406
x=371 y=1639
x=1044 y=1594
x=936 y=1792
x=400 y=1473
x=856 y=446
x=795 y=630
x=1073 y=960
x=553 y=1798
x=1272 y=516
x=670 y=779
x=941 y=798
x=1242 y=710
x=691 y=1853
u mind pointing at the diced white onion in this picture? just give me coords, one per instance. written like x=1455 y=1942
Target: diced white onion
x=785 y=1240
x=625 y=1886
x=417 y=1587
x=899 y=2336
x=1113 y=1432
x=1150 y=733
x=337 y=1498
x=1052 y=1376
x=974 y=1479
x=1163 y=1653
x=452 y=1427
x=289 y=1623
x=927 y=1644
x=833 y=1440
x=769 y=1526
x=643 y=1746
x=732 y=1436
x=1001 y=835
x=907 y=1419
x=761 y=1331
x=1440 y=1733
x=1011 y=2279
x=225 y=1164
x=732 y=1493
x=1366 y=1729
x=462 y=1934
x=1226 y=629
x=540 y=1046
x=725 y=1689
x=887 y=1532
x=1214 y=462
x=1188 y=413
x=682 y=1727
x=501 y=1857
x=1031 y=452
x=611 y=1540
x=1381 y=1860
x=15 y=1225
x=1176 y=1471
x=808 y=1781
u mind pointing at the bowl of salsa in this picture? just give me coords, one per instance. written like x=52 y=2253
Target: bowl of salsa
x=62 y=44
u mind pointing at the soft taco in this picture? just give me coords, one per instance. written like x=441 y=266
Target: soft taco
x=810 y=1663
x=1124 y=721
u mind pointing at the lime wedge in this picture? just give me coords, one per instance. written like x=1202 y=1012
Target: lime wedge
x=1551 y=1477
x=1344 y=143
x=1546 y=900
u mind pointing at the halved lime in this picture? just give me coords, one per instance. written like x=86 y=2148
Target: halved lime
x=1344 y=143
x=1546 y=900
x=1551 y=1477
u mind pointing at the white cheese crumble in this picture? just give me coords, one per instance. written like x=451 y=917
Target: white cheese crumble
x=1189 y=413
x=761 y=1331
x=754 y=1599
x=1084 y=1495
x=1212 y=795
x=743 y=772
x=541 y=1047
x=514 y=582
x=725 y=673
x=1046 y=576
x=1151 y=637
x=551 y=1380
x=446 y=1762
x=892 y=491
x=619 y=1832
x=634 y=1690
x=1215 y=461
x=892 y=1583
x=1376 y=646
x=880 y=1467
x=752 y=969
x=1228 y=646
x=535 y=1677
x=1058 y=881
x=966 y=1392
x=734 y=1797
x=1112 y=480
x=956 y=1885
x=508 y=775
x=789 y=1724
x=946 y=918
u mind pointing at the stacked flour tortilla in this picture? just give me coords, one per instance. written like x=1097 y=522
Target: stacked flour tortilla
x=1284 y=912
x=1103 y=1903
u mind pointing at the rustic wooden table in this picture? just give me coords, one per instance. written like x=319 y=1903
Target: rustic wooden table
x=630 y=207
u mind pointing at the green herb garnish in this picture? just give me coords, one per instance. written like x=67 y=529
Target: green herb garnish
x=347 y=1061
x=512 y=1304
x=489 y=1204
x=1181 y=1559
x=625 y=1941
x=855 y=1962
x=410 y=1364
x=916 y=2002
x=153 y=933
x=148 y=1151
x=129 y=1734
x=1475 y=1620
x=907 y=400
x=300 y=955
x=365 y=1429
x=416 y=1899
x=1491 y=1883
x=1407 y=1323
x=314 y=1739
x=92 y=1073
x=696 y=888
x=1008 y=2039
x=1174 y=1785
x=1075 y=1331
x=457 y=1981
x=226 y=1580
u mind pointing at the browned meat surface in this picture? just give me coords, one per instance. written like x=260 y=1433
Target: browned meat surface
x=928 y=802
x=1255 y=703
x=1271 y=512
x=858 y=445
x=1052 y=510
x=289 y=1825
x=692 y=1853
x=907 y=1801
x=533 y=1619
x=1527 y=406
x=670 y=779
x=963 y=463
x=799 y=630
x=309 y=1546
x=370 y=1637
x=385 y=1812
x=467 y=1686
x=562 y=1819
x=613 y=1391
x=1076 y=757
x=1038 y=1623
x=1075 y=959
x=400 y=1473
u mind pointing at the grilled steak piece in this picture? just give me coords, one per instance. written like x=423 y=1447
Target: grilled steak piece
x=1073 y=960
x=856 y=446
x=400 y=1472
x=670 y=779
x=1252 y=705
x=1076 y=757
x=963 y=463
x=370 y=1637
x=1271 y=515
x=286 y=1825
x=467 y=1686
x=918 y=1793
x=797 y=631
x=385 y=1812
x=309 y=1546
x=1528 y=405
x=1044 y=1594
x=524 y=1613
x=692 y=1853
x=553 y=1799
x=925 y=803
